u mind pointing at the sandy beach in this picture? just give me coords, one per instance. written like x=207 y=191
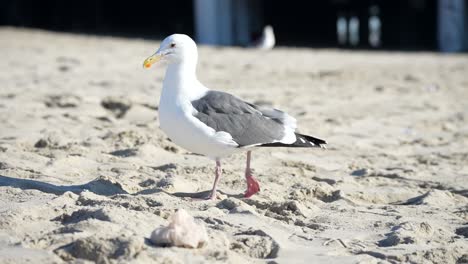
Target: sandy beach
x=86 y=174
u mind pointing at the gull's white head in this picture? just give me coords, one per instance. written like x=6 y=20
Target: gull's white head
x=175 y=49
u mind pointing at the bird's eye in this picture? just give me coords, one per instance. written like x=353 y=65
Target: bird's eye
x=172 y=45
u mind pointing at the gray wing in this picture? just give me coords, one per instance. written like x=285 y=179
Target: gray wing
x=246 y=123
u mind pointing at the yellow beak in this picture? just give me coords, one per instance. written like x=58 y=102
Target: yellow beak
x=151 y=60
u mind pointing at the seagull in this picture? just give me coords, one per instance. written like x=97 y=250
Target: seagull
x=214 y=123
x=266 y=40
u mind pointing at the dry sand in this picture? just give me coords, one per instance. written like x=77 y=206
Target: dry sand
x=86 y=175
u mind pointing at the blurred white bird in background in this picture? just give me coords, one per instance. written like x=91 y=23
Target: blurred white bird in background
x=267 y=39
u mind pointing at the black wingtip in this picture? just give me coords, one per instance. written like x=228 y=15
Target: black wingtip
x=309 y=141
x=302 y=141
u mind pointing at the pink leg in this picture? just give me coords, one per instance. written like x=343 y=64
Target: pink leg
x=252 y=184
x=212 y=195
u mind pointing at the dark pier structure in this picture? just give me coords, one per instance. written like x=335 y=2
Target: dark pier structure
x=351 y=24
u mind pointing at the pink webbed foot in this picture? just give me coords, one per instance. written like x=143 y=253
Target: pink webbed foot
x=253 y=186
x=212 y=196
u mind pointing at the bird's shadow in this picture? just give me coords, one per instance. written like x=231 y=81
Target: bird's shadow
x=195 y=195
x=101 y=186
x=202 y=195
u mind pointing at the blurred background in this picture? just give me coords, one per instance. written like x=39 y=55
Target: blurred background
x=427 y=25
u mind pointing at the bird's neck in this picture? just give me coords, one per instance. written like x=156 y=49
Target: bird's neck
x=181 y=83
